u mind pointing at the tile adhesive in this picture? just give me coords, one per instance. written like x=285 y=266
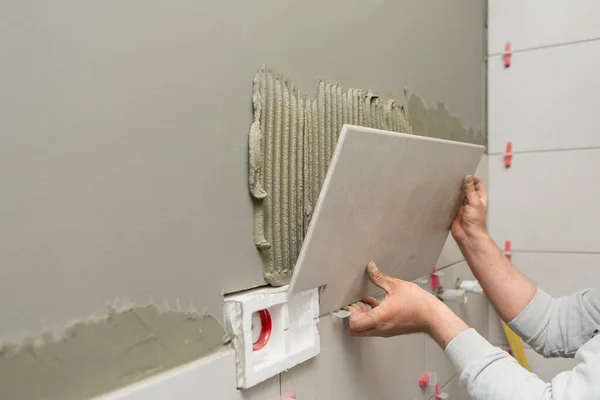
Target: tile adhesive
x=105 y=353
x=291 y=142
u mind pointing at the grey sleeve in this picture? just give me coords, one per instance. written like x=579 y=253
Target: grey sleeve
x=490 y=373
x=559 y=327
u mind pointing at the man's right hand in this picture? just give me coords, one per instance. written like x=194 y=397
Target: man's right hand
x=469 y=222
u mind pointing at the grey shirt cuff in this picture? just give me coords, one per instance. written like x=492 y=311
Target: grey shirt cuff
x=466 y=347
x=529 y=322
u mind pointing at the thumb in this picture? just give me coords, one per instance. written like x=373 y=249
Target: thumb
x=470 y=192
x=379 y=278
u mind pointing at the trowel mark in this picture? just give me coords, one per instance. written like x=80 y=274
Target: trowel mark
x=291 y=142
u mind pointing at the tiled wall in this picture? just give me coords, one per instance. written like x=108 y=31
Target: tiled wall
x=546 y=104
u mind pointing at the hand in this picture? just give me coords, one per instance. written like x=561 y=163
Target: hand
x=470 y=219
x=407 y=308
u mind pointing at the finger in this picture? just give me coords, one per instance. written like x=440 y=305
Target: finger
x=362 y=321
x=379 y=278
x=469 y=191
x=371 y=301
x=459 y=213
x=369 y=332
x=362 y=306
x=482 y=192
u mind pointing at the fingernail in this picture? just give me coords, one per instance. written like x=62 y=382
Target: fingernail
x=469 y=178
x=371 y=265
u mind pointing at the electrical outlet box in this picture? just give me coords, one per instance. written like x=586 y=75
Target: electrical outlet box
x=272 y=331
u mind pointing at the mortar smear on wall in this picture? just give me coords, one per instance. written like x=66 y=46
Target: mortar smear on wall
x=104 y=354
x=291 y=142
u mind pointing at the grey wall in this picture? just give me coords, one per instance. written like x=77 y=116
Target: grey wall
x=123 y=140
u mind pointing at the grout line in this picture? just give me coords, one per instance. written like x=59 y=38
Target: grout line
x=548 y=150
x=547 y=46
x=556 y=252
x=452 y=264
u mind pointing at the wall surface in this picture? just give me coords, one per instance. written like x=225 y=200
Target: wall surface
x=123 y=153
x=545 y=104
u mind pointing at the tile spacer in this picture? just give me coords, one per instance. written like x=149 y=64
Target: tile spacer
x=507 y=55
x=507 y=252
x=428 y=379
x=439 y=395
x=435 y=279
x=508 y=155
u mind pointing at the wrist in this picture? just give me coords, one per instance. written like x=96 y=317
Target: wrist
x=443 y=324
x=473 y=240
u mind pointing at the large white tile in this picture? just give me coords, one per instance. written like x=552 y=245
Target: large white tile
x=535 y=23
x=546 y=100
x=559 y=274
x=547 y=368
x=495 y=334
x=210 y=377
x=386 y=198
x=358 y=368
x=546 y=201
x=474 y=313
x=455 y=390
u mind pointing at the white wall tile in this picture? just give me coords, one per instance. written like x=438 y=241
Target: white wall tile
x=496 y=335
x=474 y=313
x=547 y=368
x=455 y=390
x=358 y=368
x=212 y=377
x=546 y=100
x=535 y=23
x=546 y=201
x=436 y=361
x=560 y=274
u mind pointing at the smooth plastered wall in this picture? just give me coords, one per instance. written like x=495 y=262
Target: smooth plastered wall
x=123 y=161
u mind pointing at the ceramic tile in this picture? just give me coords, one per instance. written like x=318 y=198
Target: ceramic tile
x=540 y=23
x=358 y=368
x=373 y=206
x=544 y=201
x=540 y=102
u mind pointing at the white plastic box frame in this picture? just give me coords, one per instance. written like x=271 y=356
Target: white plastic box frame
x=271 y=331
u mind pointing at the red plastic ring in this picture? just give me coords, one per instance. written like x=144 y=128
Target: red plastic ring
x=266 y=327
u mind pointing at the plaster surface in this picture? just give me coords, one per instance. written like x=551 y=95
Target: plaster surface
x=104 y=353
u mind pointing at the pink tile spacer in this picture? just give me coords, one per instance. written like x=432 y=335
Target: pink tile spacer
x=435 y=279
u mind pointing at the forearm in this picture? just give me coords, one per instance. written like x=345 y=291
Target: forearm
x=444 y=325
x=508 y=290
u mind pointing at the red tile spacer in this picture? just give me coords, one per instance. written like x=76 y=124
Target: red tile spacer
x=508 y=155
x=435 y=280
x=507 y=55
x=438 y=391
x=507 y=252
x=424 y=380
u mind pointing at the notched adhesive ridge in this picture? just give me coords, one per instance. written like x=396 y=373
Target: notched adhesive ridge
x=292 y=139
